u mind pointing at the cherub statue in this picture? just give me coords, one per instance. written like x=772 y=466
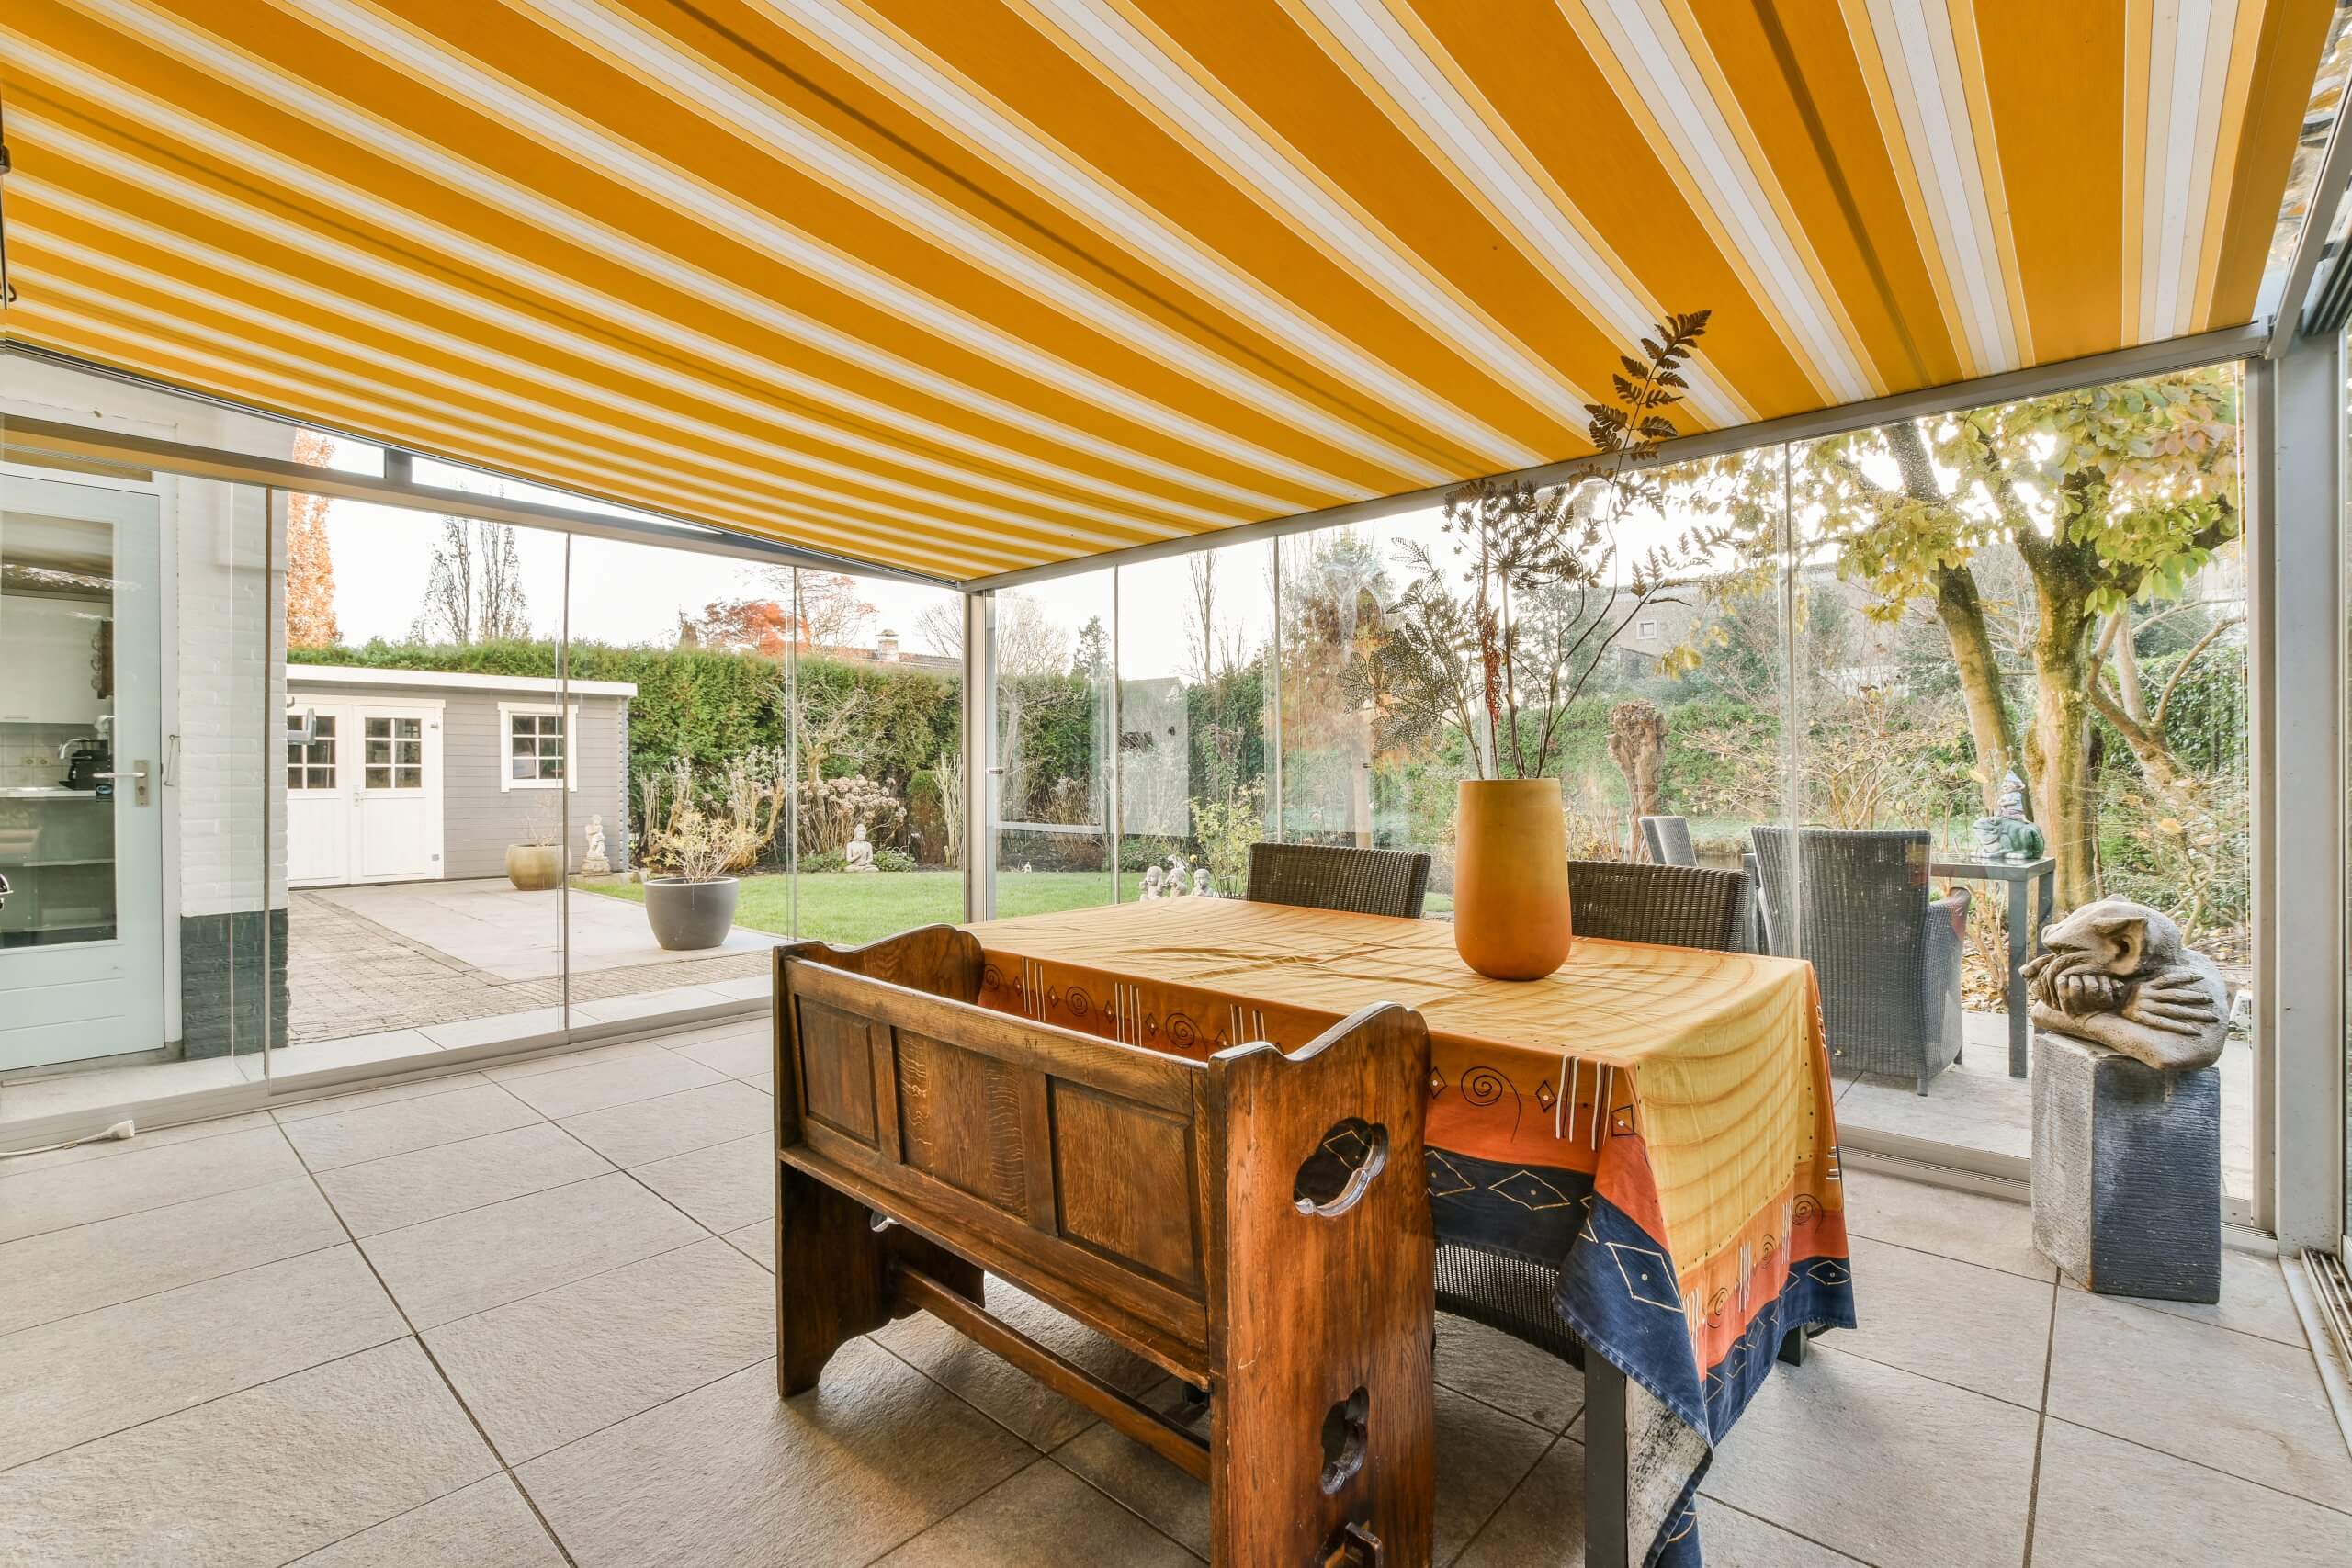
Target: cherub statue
x=1175 y=878
x=2119 y=974
x=595 y=863
x=1150 y=882
x=1200 y=882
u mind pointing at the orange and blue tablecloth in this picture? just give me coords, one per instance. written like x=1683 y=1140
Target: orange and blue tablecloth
x=1655 y=1122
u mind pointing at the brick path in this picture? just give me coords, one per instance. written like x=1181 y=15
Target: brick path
x=346 y=974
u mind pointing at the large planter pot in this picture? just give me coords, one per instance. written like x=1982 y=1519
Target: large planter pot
x=687 y=916
x=535 y=868
x=1510 y=877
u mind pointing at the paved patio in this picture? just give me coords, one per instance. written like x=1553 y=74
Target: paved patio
x=521 y=1317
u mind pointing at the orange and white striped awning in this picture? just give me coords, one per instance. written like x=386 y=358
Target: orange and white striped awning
x=967 y=285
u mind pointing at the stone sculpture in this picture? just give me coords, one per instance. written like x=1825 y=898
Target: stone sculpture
x=857 y=854
x=2119 y=975
x=1201 y=882
x=1150 y=882
x=2010 y=837
x=595 y=863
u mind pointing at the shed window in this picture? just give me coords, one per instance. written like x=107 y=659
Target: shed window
x=310 y=765
x=540 y=751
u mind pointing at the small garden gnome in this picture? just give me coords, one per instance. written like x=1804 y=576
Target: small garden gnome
x=857 y=854
x=595 y=863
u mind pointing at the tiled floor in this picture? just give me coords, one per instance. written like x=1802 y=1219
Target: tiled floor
x=520 y=1317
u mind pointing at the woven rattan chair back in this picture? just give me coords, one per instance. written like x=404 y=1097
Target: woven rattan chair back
x=1335 y=876
x=1677 y=906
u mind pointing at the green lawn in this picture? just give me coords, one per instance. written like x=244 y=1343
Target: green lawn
x=851 y=907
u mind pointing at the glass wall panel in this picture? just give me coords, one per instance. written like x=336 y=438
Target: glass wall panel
x=422 y=909
x=1195 y=640
x=1056 y=644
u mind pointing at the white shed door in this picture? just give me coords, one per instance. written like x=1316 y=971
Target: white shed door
x=363 y=800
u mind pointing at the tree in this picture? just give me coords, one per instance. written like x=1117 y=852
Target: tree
x=2106 y=496
x=739 y=625
x=309 y=558
x=1637 y=745
x=1027 y=641
x=474 y=592
x=827 y=606
x=1091 y=662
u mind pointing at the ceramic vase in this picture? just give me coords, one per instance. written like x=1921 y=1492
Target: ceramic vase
x=1510 y=877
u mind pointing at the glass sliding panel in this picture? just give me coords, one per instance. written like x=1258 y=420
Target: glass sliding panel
x=1054 y=651
x=1964 y=651
x=415 y=918
x=676 y=777
x=877 y=746
x=1195 y=642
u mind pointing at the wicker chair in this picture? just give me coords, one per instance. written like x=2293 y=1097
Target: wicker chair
x=1676 y=906
x=1856 y=904
x=1669 y=841
x=1332 y=876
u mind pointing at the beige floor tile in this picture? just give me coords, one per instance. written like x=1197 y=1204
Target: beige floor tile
x=738 y=1055
x=1012 y=1397
x=757 y=1243
x=81 y=1377
x=260 y=1476
x=2228 y=1400
x=725 y=1187
x=1508 y=1373
x=486 y=1525
x=1042 y=1514
x=1882 y=1464
x=55 y=1275
x=2104 y=1503
x=2254 y=1300
x=445 y=1268
x=1481 y=1455
x=144 y=1178
x=425 y=1184
x=1970 y=1226
x=731 y=1474
x=577 y=1090
x=379 y=1132
x=390 y=1094
x=645 y=1130
x=148 y=1138
x=539 y=1372
x=1980 y=1328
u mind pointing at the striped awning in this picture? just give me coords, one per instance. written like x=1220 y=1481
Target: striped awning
x=966 y=286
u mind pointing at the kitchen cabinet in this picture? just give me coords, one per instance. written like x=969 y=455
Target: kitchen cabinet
x=48 y=659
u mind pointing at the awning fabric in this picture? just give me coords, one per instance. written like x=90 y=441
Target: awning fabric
x=965 y=286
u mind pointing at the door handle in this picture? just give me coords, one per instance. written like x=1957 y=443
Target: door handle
x=138 y=774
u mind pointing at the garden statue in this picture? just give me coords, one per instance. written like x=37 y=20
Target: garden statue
x=1201 y=882
x=595 y=863
x=2127 y=1101
x=1176 y=880
x=857 y=854
x=2118 y=975
x=1150 y=882
x=2012 y=801
x=2007 y=837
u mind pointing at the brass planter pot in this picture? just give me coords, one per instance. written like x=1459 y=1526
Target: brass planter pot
x=535 y=868
x=1510 y=877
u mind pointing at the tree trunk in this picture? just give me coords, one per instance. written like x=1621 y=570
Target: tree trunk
x=2057 y=749
x=1961 y=610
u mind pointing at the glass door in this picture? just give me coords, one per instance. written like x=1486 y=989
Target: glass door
x=81 y=838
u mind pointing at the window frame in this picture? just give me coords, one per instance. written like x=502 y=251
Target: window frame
x=507 y=714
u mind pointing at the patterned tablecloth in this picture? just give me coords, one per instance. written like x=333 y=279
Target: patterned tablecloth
x=1653 y=1122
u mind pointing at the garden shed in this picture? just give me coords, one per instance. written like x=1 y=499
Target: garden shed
x=407 y=776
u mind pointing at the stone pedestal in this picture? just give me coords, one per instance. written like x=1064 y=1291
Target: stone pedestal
x=2127 y=1172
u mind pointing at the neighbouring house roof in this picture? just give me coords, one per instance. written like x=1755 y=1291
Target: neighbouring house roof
x=979 y=287
x=367 y=675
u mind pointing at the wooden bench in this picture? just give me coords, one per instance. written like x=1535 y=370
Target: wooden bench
x=1256 y=1224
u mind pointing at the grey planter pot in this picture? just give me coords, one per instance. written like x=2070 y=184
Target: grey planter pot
x=688 y=916
x=535 y=868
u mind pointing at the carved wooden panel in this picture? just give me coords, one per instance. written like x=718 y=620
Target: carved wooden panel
x=961 y=1120
x=837 y=1065
x=1124 y=1175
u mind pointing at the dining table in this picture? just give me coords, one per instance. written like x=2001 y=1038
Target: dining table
x=1654 y=1124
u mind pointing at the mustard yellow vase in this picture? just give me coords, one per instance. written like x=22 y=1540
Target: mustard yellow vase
x=1510 y=877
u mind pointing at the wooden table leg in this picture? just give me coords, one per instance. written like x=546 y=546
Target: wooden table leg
x=1605 y=1464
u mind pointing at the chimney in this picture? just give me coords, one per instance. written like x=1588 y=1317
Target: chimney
x=886 y=646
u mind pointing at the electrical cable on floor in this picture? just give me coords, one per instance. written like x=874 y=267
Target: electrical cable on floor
x=120 y=1130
